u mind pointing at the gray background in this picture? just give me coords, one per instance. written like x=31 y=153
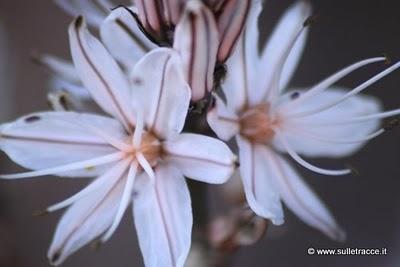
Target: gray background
x=367 y=206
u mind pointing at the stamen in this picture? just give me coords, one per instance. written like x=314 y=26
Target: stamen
x=137 y=135
x=273 y=91
x=68 y=167
x=337 y=140
x=358 y=119
x=146 y=166
x=125 y=200
x=353 y=92
x=58 y=101
x=322 y=86
x=306 y=164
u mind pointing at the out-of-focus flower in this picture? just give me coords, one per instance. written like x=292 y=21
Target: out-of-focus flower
x=267 y=122
x=138 y=154
x=120 y=34
x=241 y=227
x=94 y=10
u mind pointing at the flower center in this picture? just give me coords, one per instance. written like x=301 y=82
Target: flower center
x=150 y=148
x=256 y=124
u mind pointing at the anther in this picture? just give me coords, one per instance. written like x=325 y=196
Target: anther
x=40 y=213
x=392 y=124
x=353 y=170
x=78 y=22
x=310 y=20
x=388 y=60
x=96 y=245
x=237 y=164
x=56 y=256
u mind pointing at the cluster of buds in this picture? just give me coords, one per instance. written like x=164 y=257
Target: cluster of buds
x=154 y=59
x=159 y=18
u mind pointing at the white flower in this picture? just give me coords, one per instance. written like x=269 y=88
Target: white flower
x=138 y=154
x=267 y=122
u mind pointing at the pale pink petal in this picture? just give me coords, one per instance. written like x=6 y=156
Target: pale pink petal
x=284 y=39
x=50 y=139
x=123 y=38
x=230 y=22
x=100 y=73
x=224 y=122
x=173 y=10
x=201 y=157
x=150 y=14
x=307 y=137
x=196 y=40
x=163 y=217
x=239 y=86
x=161 y=92
x=261 y=191
x=301 y=200
x=90 y=216
x=91 y=9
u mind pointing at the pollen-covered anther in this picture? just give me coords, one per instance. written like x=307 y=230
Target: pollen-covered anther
x=257 y=125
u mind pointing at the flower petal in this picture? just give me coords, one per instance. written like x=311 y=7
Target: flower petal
x=161 y=92
x=100 y=73
x=90 y=216
x=261 y=191
x=150 y=15
x=223 y=121
x=172 y=10
x=230 y=25
x=163 y=217
x=201 y=157
x=275 y=52
x=49 y=139
x=299 y=131
x=301 y=200
x=123 y=38
x=94 y=11
x=239 y=86
x=196 y=40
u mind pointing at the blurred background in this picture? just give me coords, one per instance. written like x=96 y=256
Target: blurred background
x=367 y=205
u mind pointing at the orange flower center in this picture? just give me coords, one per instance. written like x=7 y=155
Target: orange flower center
x=150 y=147
x=256 y=124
